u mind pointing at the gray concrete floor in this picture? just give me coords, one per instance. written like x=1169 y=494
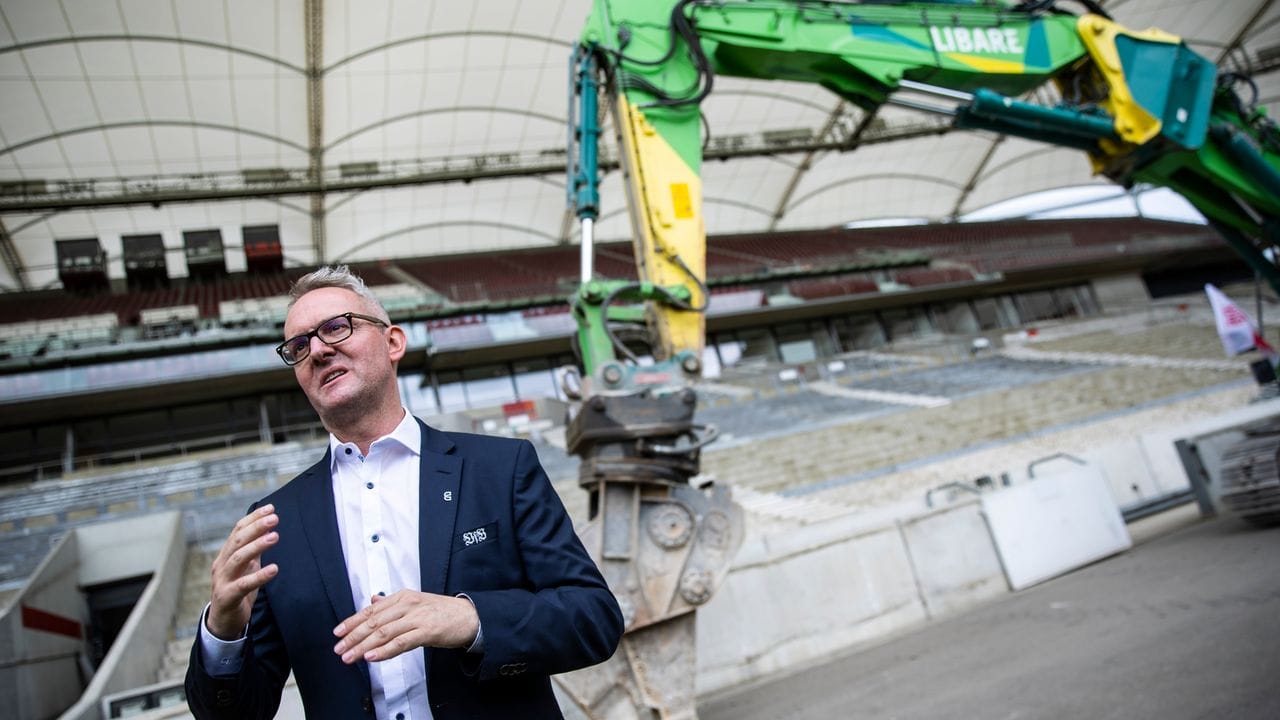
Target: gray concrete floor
x=1184 y=626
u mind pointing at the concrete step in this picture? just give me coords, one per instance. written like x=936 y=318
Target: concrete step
x=176 y=656
x=196 y=589
x=889 y=440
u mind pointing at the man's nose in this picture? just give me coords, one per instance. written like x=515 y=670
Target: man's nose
x=320 y=348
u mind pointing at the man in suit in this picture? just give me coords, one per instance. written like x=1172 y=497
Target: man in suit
x=411 y=573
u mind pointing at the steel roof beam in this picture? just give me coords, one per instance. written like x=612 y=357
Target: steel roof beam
x=780 y=209
x=972 y=183
x=12 y=260
x=1239 y=38
x=169 y=39
x=155 y=190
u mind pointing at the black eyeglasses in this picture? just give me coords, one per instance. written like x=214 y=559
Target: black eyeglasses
x=331 y=332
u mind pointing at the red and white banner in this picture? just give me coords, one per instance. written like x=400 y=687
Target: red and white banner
x=1235 y=329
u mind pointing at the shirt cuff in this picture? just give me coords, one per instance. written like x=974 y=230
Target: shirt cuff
x=221 y=657
x=477 y=646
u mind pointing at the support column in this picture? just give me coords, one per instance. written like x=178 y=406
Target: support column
x=264 y=422
x=69 y=452
x=313 y=14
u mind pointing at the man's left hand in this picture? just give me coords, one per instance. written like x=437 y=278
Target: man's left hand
x=393 y=625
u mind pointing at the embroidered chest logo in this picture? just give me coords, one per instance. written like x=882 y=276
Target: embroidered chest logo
x=475 y=537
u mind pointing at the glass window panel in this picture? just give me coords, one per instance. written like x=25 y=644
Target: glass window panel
x=534 y=379
x=419 y=398
x=488 y=386
x=452 y=396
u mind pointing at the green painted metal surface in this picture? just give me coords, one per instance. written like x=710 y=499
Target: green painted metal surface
x=599 y=303
x=862 y=51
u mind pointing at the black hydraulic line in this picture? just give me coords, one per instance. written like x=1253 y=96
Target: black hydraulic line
x=1239 y=147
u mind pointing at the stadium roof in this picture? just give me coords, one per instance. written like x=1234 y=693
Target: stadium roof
x=113 y=100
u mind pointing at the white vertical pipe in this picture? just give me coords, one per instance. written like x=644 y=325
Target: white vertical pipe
x=587 y=252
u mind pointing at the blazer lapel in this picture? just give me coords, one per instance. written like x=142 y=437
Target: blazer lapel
x=320 y=524
x=440 y=474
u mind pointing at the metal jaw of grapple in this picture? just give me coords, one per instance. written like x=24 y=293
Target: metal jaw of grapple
x=663 y=545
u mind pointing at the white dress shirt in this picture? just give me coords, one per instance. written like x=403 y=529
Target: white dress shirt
x=376 y=499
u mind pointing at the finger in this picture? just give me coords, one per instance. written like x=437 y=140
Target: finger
x=249 y=527
x=226 y=579
x=240 y=560
x=349 y=624
x=254 y=530
x=353 y=622
x=387 y=641
x=248 y=520
x=355 y=629
x=228 y=599
x=254 y=581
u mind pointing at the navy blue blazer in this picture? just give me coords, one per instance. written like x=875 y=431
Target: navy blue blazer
x=542 y=602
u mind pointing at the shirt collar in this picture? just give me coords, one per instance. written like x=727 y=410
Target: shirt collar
x=406 y=434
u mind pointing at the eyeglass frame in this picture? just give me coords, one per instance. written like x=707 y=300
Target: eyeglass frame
x=315 y=333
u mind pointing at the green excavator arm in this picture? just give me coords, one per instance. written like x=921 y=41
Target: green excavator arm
x=1142 y=105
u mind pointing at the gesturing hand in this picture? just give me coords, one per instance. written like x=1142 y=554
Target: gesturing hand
x=237 y=572
x=406 y=620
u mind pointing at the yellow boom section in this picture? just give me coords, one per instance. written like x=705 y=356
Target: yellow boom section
x=667 y=224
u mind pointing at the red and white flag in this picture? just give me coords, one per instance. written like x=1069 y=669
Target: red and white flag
x=1235 y=329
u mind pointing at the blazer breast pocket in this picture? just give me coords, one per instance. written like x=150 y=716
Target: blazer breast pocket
x=476 y=537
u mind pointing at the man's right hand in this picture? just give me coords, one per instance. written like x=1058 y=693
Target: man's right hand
x=238 y=573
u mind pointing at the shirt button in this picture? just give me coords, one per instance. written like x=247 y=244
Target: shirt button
x=348 y=451
x=381 y=594
x=399 y=716
x=369 y=485
x=374 y=538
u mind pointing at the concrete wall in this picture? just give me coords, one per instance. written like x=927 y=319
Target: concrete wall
x=955 y=561
x=796 y=596
x=114 y=551
x=40 y=672
x=1120 y=292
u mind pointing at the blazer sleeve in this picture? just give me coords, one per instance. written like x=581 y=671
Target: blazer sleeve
x=567 y=618
x=254 y=692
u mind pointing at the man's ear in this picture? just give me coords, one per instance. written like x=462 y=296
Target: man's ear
x=397 y=343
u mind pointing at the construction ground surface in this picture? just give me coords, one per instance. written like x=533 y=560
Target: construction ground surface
x=1183 y=626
